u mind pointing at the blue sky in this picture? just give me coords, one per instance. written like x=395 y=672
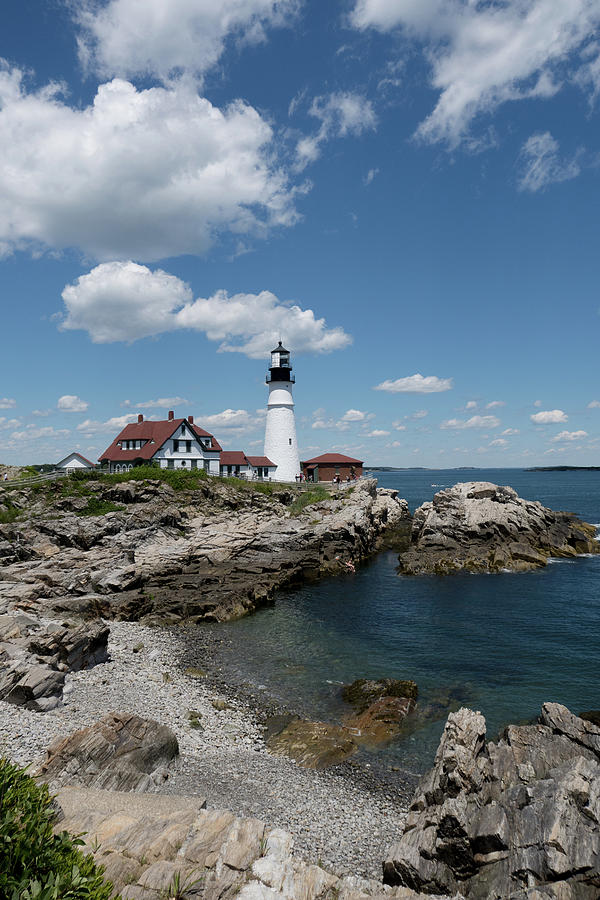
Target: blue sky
x=404 y=191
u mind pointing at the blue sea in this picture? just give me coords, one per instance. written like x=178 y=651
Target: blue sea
x=502 y=644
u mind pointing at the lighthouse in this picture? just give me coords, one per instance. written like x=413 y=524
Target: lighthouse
x=281 y=445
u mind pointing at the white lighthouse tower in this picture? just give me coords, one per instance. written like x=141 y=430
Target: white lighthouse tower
x=281 y=445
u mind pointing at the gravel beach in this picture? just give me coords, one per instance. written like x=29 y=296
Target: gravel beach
x=341 y=818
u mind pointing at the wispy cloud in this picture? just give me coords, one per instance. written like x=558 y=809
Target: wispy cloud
x=541 y=164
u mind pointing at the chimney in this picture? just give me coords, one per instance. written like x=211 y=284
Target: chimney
x=171 y=415
x=140 y=418
x=191 y=420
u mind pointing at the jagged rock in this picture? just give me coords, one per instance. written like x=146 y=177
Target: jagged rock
x=517 y=819
x=33 y=662
x=74 y=648
x=35 y=687
x=481 y=527
x=121 y=752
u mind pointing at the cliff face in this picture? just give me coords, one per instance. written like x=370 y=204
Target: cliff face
x=161 y=555
x=517 y=819
x=481 y=527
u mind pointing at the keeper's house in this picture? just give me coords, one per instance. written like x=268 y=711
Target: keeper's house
x=328 y=465
x=171 y=443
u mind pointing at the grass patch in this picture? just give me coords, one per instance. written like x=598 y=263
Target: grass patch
x=97 y=507
x=34 y=862
x=307 y=498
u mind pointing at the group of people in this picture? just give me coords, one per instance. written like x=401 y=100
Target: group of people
x=348 y=479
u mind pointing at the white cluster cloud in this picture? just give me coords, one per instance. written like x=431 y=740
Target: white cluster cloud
x=495 y=404
x=484 y=54
x=569 y=436
x=549 y=417
x=542 y=165
x=499 y=442
x=415 y=384
x=123 y=301
x=7 y=403
x=378 y=432
x=350 y=417
x=233 y=419
x=167 y=37
x=139 y=173
x=473 y=422
x=9 y=423
x=72 y=403
x=356 y=415
x=511 y=431
x=34 y=433
x=341 y=113
x=471 y=404
x=594 y=404
x=370 y=176
x=110 y=426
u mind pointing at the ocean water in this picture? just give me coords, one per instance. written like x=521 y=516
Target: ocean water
x=502 y=644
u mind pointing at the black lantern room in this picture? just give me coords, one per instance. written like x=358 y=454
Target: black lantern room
x=280 y=369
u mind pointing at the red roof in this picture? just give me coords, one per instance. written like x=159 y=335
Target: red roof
x=154 y=433
x=233 y=458
x=337 y=459
x=261 y=461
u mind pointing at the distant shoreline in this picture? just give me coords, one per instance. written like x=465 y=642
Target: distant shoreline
x=564 y=469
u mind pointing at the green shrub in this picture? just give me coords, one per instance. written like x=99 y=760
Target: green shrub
x=9 y=513
x=97 y=507
x=36 y=864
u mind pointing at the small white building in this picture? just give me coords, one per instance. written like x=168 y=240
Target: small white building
x=75 y=462
x=172 y=443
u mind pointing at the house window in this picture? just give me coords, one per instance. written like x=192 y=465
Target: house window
x=183 y=429
x=188 y=446
x=175 y=446
x=170 y=464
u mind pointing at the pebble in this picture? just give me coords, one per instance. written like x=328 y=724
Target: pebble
x=336 y=818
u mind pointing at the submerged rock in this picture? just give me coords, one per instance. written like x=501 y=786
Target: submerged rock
x=517 y=819
x=314 y=745
x=381 y=708
x=480 y=527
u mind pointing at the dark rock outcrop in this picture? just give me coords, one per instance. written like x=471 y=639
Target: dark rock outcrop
x=121 y=752
x=34 y=661
x=480 y=527
x=517 y=819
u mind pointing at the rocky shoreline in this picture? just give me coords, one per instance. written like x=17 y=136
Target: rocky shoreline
x=336 y=816
x=144 y=551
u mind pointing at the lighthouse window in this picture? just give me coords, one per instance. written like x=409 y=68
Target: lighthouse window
x=290 y=441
